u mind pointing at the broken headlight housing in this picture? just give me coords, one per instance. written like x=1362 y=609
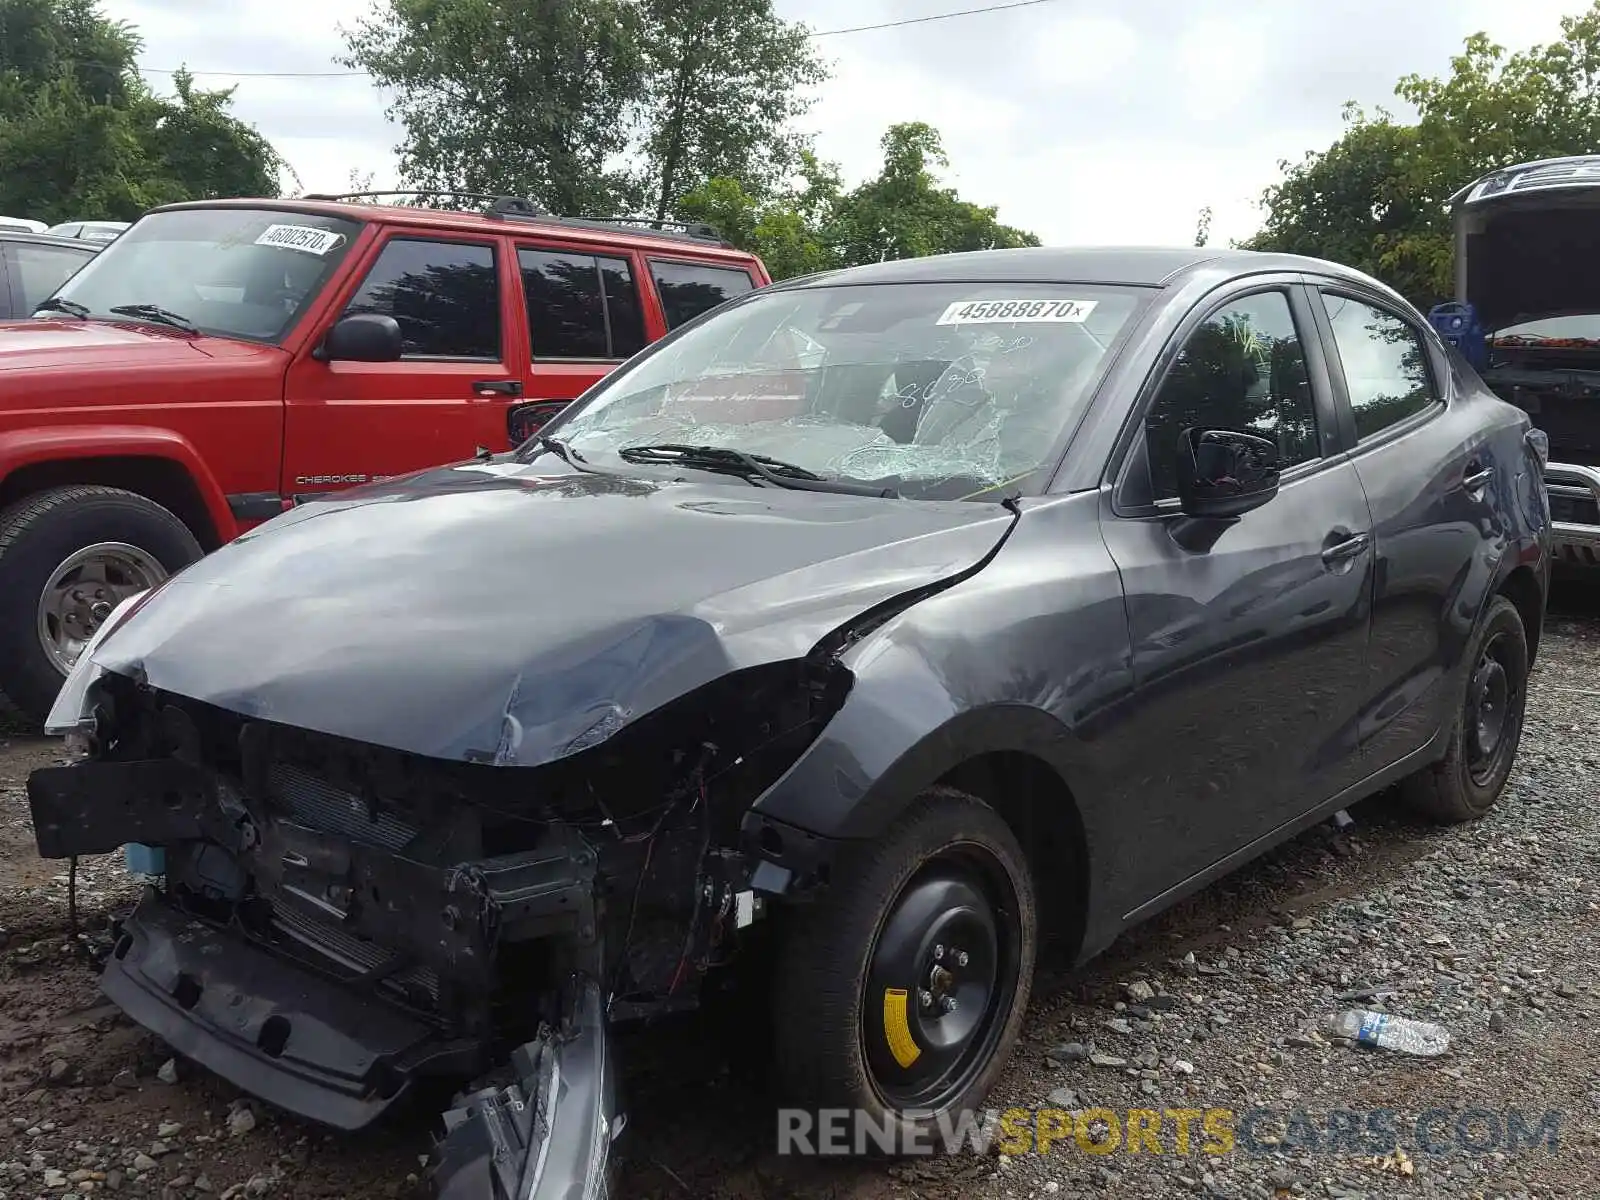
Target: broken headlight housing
x=72 y=715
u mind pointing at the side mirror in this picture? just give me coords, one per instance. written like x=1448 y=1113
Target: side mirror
x=1223 y=473
x=362 y=337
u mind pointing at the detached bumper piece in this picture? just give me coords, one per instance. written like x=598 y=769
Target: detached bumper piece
x=307 y=1045
x=548 y=1134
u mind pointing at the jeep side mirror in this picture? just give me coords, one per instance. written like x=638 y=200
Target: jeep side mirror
x=1223 y=473
x=362 y=337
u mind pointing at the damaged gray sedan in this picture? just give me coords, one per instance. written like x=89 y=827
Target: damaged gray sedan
x=891 y=620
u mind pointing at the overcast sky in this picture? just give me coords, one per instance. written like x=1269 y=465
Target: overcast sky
x=1081 y=125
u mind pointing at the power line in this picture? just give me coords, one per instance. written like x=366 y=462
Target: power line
x=964 y=12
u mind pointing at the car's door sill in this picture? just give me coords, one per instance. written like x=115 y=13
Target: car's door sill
x=1375 y=782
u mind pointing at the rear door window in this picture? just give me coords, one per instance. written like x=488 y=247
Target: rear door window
x=445 y=296
x=581 y=306
x=1385 y=364
x=37 y=271
x=689 y=289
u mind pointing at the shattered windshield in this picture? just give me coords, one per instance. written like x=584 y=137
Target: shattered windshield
x=938 y=391
x=229 y=272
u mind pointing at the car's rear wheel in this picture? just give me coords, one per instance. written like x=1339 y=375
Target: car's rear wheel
x=68 y=556
x=1465 y=783
x=900 y=993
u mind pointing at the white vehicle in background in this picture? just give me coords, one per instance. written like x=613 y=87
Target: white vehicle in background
x=94 y=231
x=21 y=225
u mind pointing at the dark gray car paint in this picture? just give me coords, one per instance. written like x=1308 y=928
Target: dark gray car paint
x=1163 y=688
x=518 y=614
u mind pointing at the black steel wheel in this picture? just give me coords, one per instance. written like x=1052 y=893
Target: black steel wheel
x=900 y=993
x=1465 y=783
x=943 y=975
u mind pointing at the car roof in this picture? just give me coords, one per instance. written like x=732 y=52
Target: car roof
x=1131 y=266
x=51 y=239
x=597 y=233
x=1537 y=175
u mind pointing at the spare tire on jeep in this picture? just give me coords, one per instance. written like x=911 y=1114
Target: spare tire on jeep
x=67 y=557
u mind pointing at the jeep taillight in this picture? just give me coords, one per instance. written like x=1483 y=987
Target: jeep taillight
x=525 y=420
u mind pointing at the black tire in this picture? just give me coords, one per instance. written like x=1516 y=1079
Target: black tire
x=40 y=533
x=1466 y=782
x=832 y=966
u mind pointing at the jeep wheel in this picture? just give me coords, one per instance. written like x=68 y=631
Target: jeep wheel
x=900 y=993
x=1465 y=783
x=67 y=557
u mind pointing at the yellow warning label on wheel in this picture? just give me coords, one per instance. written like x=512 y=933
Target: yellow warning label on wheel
x=897 y=1027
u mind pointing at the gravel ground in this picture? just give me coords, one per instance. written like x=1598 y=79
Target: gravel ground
x=1488 y=930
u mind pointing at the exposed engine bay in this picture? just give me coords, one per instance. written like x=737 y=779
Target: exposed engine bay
x=331 y=922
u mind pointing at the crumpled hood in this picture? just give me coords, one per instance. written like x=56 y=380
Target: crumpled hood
x=519 y=614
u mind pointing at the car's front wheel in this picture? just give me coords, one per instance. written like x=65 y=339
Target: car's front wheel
x=900 y=993
x=1487 y=725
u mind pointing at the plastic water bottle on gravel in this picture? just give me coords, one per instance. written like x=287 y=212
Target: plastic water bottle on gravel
x=1389 y=1032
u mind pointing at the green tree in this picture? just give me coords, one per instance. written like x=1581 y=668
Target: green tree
x=1376 y=199
x=904 y=212
x=195 y=149
x=727 y=81
x=524 y=97
x=786 y=230
x=82 y=136
x=1351 y=203
x=816 y=225
x=43 y=42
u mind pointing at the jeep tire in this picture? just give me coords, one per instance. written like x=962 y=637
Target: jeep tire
x=120 y=543
x=900 y=991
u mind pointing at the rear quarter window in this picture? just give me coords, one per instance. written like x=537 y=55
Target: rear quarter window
x=689 y=289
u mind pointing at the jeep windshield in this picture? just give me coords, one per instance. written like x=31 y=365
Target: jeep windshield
x=228 y=272
x=934 y=391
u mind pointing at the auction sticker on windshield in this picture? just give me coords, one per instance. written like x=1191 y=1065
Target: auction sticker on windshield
x=306 y=238
x=994 y=312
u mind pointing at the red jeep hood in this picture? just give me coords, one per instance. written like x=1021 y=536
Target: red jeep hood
x=31 y=345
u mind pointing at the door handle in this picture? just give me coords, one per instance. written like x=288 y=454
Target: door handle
x=503 y=387
x=1347 y=549
x=1476 y=480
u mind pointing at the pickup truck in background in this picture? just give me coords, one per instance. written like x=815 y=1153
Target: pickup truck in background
x=1527 y=317
x=222 y=360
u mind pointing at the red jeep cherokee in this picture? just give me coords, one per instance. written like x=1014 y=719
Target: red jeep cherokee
x=223 y=359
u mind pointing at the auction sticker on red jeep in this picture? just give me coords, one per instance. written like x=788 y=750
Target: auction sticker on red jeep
x=306 y=238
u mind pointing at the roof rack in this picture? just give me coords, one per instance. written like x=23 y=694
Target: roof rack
x=522 y=209
x=491 y=197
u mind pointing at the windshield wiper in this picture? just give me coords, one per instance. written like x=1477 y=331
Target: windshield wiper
x=154 y=312
x=556 y=446
x=71 y=307
x=737 y=462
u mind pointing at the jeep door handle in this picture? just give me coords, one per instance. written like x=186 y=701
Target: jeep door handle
x=504 y=387
x=1347 y=549
x=1476 y=480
